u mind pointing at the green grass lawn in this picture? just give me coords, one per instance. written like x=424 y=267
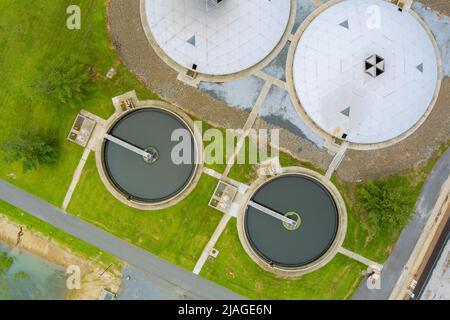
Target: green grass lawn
x=74 y=244
x=32 y=34
x=209 y=156
x=286 y=160
x=234 y=269
x=362 y=237
x=247 y=173
x=365 y=238
x=177 y=234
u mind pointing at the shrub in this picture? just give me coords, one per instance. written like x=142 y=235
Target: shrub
x=65 y=80
x=389 y=202
x=32 y=147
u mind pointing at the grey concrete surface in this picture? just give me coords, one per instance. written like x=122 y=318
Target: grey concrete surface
x=278 y=108
x=440 y=26
x=139 y=285
x=409 y=236
x=192 y=285
x=438 y=286
x=241 y=93
x=304 y=9
x=277 y=68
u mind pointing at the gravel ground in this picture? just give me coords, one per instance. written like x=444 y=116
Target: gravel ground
x=441 y=6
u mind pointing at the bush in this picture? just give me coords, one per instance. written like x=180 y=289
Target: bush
x=65 y=80
x=32 y=147
x=389 y=202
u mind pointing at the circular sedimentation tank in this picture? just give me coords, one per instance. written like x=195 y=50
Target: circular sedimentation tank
x=364 y=72
x=154 y=179
x=218 y=41
x=319 y=229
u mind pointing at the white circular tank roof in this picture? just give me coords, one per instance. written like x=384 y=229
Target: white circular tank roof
x=365 y=71
x=224 y=39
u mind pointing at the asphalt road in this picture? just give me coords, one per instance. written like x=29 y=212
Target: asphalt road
x=185 y=281
x=394 y=265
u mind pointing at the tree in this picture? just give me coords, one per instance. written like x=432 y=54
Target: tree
x=33 y=147
x=389 y=202
x=65 y=80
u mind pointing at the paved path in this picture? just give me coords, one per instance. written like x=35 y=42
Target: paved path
x=76 y=178
x=337 y=160
x=96 y=135
x=317 y=3
x=359 y=258
x=211 y=243
x=248 y=125
x=245 y=132
x=187 y=281
x=271 y=79
x=241 y=141
x=394 y=265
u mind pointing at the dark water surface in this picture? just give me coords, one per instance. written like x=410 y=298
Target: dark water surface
x=133 y=176
x=319 y=221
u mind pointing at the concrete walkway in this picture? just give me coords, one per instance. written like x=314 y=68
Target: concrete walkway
x=246 y=130
x=359 y=258
x=211 y=243
x=249 y=124
x=337 y=160
x=212 y=173
x=242 y=187
x=96 y=135
x=395 y=264
x=317 y=3
x=269 y=78
x=125 y=251
x=76 y=178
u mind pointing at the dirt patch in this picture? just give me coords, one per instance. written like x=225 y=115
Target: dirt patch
x=441 y=6
x=92 y=284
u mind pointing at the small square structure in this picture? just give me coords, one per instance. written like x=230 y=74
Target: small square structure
x=270 y=167
x=223 y=197
x=81 y=131
x=108 y=295
x=214 y=253
x=126 y=101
